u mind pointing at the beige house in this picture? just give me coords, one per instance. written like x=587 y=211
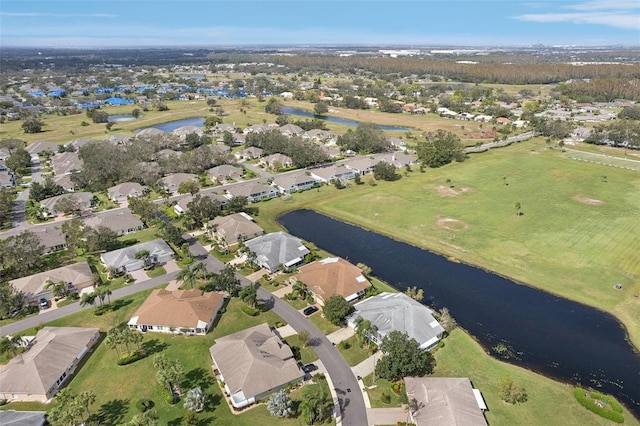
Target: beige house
x=121 y=193
x=121 y=222
x=180 y=311
x=253 y=364
x=333 y=276
x=47 y=365
x=76 y=277
x=445 y=401
x=229 y=230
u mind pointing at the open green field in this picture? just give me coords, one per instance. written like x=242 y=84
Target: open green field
x=549 y=402
x=576 y=238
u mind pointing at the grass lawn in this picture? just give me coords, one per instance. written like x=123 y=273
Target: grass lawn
x=382 y=387
x=297 y=303
x=234 y=320
x=147 y=234
x=355 y=354
x=323 y=324
x=307 y=354
x=223 y=257
x=463 y=357
x=573 y=239
x=156 y=272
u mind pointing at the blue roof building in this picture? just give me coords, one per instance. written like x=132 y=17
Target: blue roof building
x=36 y=93
x=118 y=101
x=57 y=93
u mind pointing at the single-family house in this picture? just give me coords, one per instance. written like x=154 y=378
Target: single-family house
x=224 y=172
x=166 y=154
x=397 y=143
x=65 y=163
x=361 y=165
x=333 y=276
x=50 y=237
x=445 y=401
x=6 y=179
x=172 y=182
x=23 y=418
x=232 y=229
x=250 y=153
x=156 y=252
x=183 y=131
x=294 y=182
x=65 y=182
x=319 y=135
x=482 y=118
x=34 y=149
x=332 y=173
x=50 y=205
x=179 y=311
x=150 y=132
x=225 y=127
x=291 y=130
x=4 y=154
x=182 y=205
x=503 y=120
x=121 y=193
x=397 y=158
x=276 y=161
x=259 y=128
x=38 y=374
x=76 y=277
x=253 y=364
x=118 y=139
x=397 y=311
x=121 y=221
x=253 y=191
x=277 y=249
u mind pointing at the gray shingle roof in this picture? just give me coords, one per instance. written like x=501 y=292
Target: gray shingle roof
x=277 y=248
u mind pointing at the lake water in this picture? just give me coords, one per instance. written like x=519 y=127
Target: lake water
x=170 y=126
x=338 y=120
x=548 y=334
x=121 y=117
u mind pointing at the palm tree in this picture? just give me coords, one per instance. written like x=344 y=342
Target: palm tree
x=201 y=269
x=114 y=340
x=58 y=288
x=88 y=299
x=363 y=329
x=187 y=276
x=87 y=397
x=301 y=289
x=8 y=344
x=249 y=295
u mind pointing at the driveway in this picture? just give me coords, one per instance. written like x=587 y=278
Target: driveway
x=387 y=416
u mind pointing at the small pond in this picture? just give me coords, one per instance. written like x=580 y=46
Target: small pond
x=170 y=126
x=338 y=120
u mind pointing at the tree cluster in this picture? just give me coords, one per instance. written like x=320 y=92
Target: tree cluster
x=511 y=392
x=336 y=308
x=366 y=139
x=10 y=300
x=385 y=171
x=6 y=206
x=403 y=357
x=630 y=112
x=617 y=133
x=440 y=148
x=70 y=408
x=303 y=152
x=97 y=115
x=19 y=160
x=20 y=255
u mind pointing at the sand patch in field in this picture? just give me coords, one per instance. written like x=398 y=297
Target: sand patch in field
x=452 y=224
x=587 y=200
x=447 y=191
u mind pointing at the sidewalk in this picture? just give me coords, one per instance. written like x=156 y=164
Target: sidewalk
x=339 y=335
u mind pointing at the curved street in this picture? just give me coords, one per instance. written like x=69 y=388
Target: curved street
x=350 y=407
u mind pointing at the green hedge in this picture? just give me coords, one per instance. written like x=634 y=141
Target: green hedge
x=128 y=359
x=614 y=416
x=609 y=400
x=250 y=311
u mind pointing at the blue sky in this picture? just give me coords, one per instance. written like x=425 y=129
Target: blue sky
x=89 y=23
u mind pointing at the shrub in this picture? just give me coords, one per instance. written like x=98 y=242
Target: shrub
x=168 y=396
x=590 y=405
x=130 y=358
x=609 y=400
x=345 y=345
x=386 y=398
x=144 y=404
x=250 y=311
x=2 y=402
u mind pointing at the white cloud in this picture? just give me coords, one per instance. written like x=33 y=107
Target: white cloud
x=612 y=19
x=57 y=15
x=606 y=5
x=613 y=13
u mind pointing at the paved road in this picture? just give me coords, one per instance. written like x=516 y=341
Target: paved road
x=350 y=401
x=53 y=314
x=18 y=212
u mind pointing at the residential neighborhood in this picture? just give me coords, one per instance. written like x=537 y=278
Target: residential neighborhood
x=172 y=248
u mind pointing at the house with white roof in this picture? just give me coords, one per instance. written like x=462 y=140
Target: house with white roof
x=398 y=312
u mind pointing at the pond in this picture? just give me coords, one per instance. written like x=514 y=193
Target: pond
x=548 y=334
x=170 y=126
x=338 y=120
x=120 y=117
